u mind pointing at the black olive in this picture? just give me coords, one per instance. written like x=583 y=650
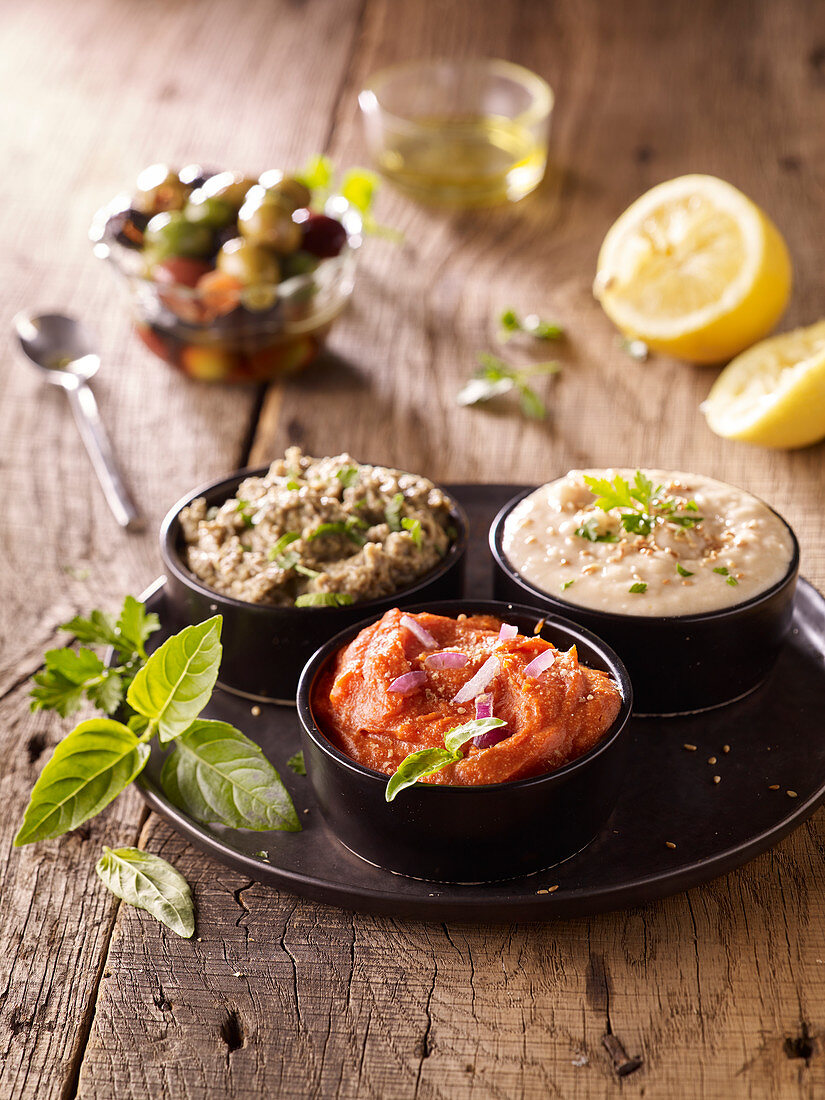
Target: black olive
x=127 y=227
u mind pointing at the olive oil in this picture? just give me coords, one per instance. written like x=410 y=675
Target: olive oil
x=474 y=161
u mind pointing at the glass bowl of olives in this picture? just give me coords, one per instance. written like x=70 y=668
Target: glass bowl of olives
x=231 y=279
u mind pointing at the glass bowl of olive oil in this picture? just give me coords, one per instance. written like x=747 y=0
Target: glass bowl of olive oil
x=459 y=133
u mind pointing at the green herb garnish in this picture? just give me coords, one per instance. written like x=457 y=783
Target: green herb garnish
x=680 y=569
x=324 y=599
x=495 y=377
x=721 y=570
x=641 y=506
x=358 y=186
x=636 y=349
x=590 y=530
x=392 y=513
x=293 y=485
x=275 y=551
x=414 y=528
x=732 y=581
x=213 y=772
x=297 y=764
x=245 y=516
x=426 y=761
x=638 y=587
x=347 y=529
x=566 y=585
x=348 y=476
x=510 y=323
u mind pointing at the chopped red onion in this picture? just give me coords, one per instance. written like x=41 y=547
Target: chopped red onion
x=424 y=636
x=491 y=737
x=407 y=683
x=540 y=664
x=448 y=659
x=484 y=706
x=476 y=684
x=507 y=632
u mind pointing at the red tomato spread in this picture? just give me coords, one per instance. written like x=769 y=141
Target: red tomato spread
x=550 y=719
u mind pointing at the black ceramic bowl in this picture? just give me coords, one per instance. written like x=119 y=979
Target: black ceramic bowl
x=265 y=648
x=470 y=834
x=679 y=664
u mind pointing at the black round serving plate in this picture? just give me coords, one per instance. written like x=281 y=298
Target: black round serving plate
x=669 y=795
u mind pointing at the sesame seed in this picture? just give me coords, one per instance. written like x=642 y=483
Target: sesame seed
x=255 y=712
x=537 y=629
x=773 y=787
x=690 y=748
x=717 y=779
x=711 y=760
x=669 y=844
x=552 y=889
x=542 y=891
x=791 y=794
x=726 y=748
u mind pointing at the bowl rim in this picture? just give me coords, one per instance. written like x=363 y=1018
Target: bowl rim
x=170 y=531
x=543 y=96
x=495 y=539
x=317 y=662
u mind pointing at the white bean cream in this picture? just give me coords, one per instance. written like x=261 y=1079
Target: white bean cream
x=690 y=545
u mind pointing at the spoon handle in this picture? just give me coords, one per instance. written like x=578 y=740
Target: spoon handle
x=94 y=435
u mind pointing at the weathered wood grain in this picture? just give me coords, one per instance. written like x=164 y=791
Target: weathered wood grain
x=720 y=990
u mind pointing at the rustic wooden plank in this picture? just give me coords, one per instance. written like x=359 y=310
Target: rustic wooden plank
x=128 y=84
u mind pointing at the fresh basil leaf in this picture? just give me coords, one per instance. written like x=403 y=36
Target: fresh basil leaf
x=99 y=628
x=416 y=766
x=297 y=764
x=217 y=774
x=149 y=882
x=458 y=737
x=324 y=599
x=176 y=682
x=414 y=528
x=591 y=530
x=135 y=626
x=88 y=769
x=108 y=694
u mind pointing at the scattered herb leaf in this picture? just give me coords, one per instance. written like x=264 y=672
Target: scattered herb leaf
x=348 y=476
x=245 y=516
x=324 y=599
x=293 y=485
x=636 y=349
x=426 y=761
x=721 y=570
x=149 y=882
x=414 y=528
x=732 y=581
x=680 y=569
x=510 y=323
x=297 y=764
x=591 y=530
x=275 y=551
x=392 y=513
x=641 y=507
x=638 y=587
x=566 y=585
x=494 y=377
x=347 y=529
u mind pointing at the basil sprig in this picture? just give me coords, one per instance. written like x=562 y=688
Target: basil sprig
x=426 y=761
x=213 y=772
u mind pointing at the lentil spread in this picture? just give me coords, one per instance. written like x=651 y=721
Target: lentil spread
x=314 y=526
x=718 y=545
x=551 y=718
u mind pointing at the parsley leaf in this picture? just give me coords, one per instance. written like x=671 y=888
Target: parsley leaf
x=324 y=599
x=680 y=569
x=566 y=585
x=296 y=763
x=638 y=587
x=495 y=377
x=510 y=323
x=721 y=570
x=591 y=531
x=642 y=506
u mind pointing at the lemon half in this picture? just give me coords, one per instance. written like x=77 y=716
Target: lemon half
x=694 y=269
x=774 y=393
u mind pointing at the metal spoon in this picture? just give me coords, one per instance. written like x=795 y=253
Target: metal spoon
x=62 y=351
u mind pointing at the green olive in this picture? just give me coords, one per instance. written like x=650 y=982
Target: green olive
x=159 y=189
x=170 y=234
x=269 y=223
x=251 y=264
x=207 y=210
x=290 y=191
x=229 y=186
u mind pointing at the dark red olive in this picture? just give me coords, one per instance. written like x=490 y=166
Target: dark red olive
x=180 y=271
x=322 y=236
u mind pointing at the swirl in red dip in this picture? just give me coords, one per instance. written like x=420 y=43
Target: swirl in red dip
x=551 y=718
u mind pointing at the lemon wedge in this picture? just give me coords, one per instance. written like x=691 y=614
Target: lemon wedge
x=773 y=394
x=694 y=269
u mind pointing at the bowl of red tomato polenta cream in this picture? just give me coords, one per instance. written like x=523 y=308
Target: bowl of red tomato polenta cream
x=465 y=741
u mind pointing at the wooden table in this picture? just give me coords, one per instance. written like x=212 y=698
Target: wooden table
x=721 y=991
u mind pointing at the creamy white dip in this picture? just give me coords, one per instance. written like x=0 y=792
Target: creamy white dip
x=723 y=548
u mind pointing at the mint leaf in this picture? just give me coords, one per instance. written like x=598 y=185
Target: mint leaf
x=216 y=774
x=177 y=681
x=296 y=763
x=88 y=769
x=149 y=882
x=324 y=599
